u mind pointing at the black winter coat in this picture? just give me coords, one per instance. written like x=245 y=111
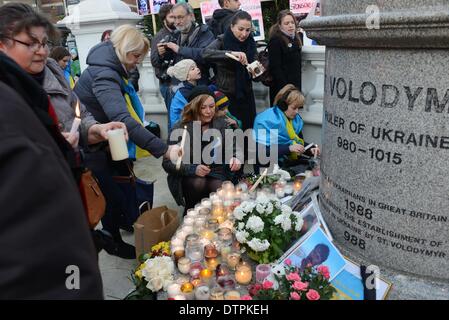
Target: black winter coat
x=43 y=227
x=221 y=20
x=285 y=63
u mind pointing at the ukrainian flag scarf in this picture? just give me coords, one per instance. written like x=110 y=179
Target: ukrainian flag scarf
x=293 y=136
x=137 y=112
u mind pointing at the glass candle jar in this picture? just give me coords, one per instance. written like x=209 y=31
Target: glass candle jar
x=204 y=212
x=288 y=189
x=196 y=282
x=178 y=254
x=192 y=213
x=188 y=221
x=194 y=248
x=202 y=293
x=233 y=260
x=206 y=276
x=206 y=203
x=187 y=290
x=224 y=251
x=262 y=272
x=232 y=295
x=173 y=290
x=243 y=273
x=195 y=269
x=216 y=294
x=184 y=265
x=279 y=191
x=225 y=236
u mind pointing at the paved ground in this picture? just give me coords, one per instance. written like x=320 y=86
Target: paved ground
x=116 y=271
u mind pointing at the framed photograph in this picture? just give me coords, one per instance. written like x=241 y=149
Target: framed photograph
x=316 y=250
x=349 y=286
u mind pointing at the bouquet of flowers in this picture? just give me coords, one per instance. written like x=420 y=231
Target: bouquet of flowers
x=266 y=228
x=309 y=284
x=154 y=273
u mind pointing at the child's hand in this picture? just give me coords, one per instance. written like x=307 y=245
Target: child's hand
x=231 y=122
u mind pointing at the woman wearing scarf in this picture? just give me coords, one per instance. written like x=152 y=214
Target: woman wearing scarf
x=232 y=77
x=284 y=51
x=105 y=90
x=193 y=180
x=284 y=117
x=42 y=211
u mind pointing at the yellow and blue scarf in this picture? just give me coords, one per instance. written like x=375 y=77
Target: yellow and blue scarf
x=137 y=112
x=287 y=130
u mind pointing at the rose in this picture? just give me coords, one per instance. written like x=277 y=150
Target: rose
x=313 y=295
x=254 y=289
x=300 y=286
x=246 y=297
x=295 y=296
x=267 y=285
x=293 y=277
x=324 y=271
x=288 y=262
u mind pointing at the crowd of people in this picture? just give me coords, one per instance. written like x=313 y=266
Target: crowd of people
x=203 y=78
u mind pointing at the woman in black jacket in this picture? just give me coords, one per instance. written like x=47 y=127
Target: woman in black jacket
x=210 y=161
x=284 y=50
x=232 y=77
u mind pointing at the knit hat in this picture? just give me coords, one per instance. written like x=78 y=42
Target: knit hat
x=199 y=90
x=221 y=100
x=181 y=70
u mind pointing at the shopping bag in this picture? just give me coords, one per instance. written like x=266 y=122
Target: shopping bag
x=136 y=192
x=153 y=226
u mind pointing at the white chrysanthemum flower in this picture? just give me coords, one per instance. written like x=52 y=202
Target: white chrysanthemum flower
x=258 y=245
x=260 y=208
x=286 y=224
x=286 y=209
x=238 y=213
x=255 y=224
x=278 y=219
x=241 y=225
x=262 y=198
x=299 y=221
x=269 y=208
x=242 y=236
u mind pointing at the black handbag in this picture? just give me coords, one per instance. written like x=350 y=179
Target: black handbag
x=137 y=192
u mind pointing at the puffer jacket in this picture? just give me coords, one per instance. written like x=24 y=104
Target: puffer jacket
x=64 y=101
x=100 y=89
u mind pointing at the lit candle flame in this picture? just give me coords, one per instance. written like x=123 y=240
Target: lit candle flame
x=77 y=109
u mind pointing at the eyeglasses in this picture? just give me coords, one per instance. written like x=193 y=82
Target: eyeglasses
x=34 y=46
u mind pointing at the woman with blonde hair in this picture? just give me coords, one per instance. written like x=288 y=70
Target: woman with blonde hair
x=105 y=90
x=284 y=117
x=195 y=181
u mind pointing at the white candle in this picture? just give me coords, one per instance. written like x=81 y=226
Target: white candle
x=117 y=144
x=77 y=120
x=202 y=293
x=176 y=242
x=183 y=141
x=187 y=229
x=259 y=180
x=173 y=290
x=188 y=221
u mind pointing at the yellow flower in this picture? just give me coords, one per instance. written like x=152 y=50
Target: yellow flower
x=138 y=274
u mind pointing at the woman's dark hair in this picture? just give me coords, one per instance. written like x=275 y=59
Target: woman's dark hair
x=106 y=33
x=275 y=30
x=59 y=53
x=241 y=15
x=18 y=17
x=164 y=11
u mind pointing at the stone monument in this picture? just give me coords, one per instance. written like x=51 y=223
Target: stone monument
x=385 y=186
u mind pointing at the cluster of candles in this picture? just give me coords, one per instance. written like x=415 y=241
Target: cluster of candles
x=206 y=253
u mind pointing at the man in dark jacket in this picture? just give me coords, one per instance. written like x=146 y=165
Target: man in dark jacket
x=221 y=19
x=160 y=58
x=192 y=38
x=47 y=249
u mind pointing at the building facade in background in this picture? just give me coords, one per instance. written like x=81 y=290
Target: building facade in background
x=56 y=9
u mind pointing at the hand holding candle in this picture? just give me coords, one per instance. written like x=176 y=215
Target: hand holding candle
x=183 y=141
x=77 y=121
